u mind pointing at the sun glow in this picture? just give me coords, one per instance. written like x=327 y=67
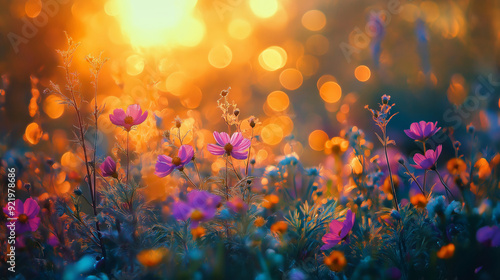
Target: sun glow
x=160 y=22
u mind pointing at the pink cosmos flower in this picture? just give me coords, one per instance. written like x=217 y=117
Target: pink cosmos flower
x=422 y=131
x=428 y=160
x=338 y=231
x=165 y=164
x=26 y=214
x=132 y=117
x=234 y=146
x=108 y=168
x=201 y=206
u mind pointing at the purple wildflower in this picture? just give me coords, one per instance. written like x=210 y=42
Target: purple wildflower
x=108 y=168
x=338 y=231
x=201 y=206
x=165 y=164
x=422 y=131
x=26 y=214
x=132 y=117
x=489 y=236
x=234 y=146
x=428 y=160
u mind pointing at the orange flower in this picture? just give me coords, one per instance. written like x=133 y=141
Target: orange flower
x=386 y=186
x=456 y=166
x=419 y=200
x=197 y=232
x=446 y=251
x=279 y=227
x=151 y=257
x=270 y=201
x=335 y=261
x=259 y=221
x=484 y=170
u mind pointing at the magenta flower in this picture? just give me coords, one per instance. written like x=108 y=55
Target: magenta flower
x=201 y=206
x=428 y=160
x=489 y=236
x=422 y=131
x=26 y=214
x=132 y=117
x=338 y=231
x=165 y=164
x=234 y=146
x=108 y=168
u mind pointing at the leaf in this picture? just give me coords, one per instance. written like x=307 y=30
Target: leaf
x=379 y=139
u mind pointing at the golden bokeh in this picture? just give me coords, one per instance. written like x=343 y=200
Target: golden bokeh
x=330 y=92
x=272 y=134
x=239 y=29
x=314 y=20
x=52 y=106
x=134 y=65
x=291 y=78
x=317 y=44
x=308 y=65
x=278 y=101
x=264 y=8
x=158 y=22
x=33 y=133
x=33 y=8
x=362 y=73
x=220 y=56
x=273 y=58
x=317 y=140
x=430 y=11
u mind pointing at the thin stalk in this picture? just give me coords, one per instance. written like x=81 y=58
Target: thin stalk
x=187 y=178
x=126 y=174
x=227 y=183
x=249 y=150
x=444 y=184
x=234 y=170
x=425 y=172
x=390 y=172
x=414 y=179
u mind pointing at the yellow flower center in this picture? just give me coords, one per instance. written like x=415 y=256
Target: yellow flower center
x=197 y=215
x=228 y=148
x=176 y=161
x=23 y=218
x=129 y=120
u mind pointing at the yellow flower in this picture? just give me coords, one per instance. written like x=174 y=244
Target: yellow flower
x=279 y=227
x=335 y=261
x=456 y=166
x=446 y=251
x=270 y=201
x=259 y=221
x=419 y=200
x=197 y=232
x=151 y=257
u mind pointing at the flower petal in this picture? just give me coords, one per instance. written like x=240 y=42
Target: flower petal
x=215 y=149
x=134 y=111
x=221 y=138
x=236 y=139
x=244 y=144
x=31 y=208
x=186 y=153
x=336 y=226
x=141 y=119
x=239 y=154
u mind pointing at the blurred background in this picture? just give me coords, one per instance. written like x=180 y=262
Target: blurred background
x=306 y=69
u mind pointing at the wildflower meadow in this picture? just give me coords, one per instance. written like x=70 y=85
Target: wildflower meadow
x=253 y=139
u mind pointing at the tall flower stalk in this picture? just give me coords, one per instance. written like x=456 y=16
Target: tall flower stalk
x=382 y=118
x=74 y=100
